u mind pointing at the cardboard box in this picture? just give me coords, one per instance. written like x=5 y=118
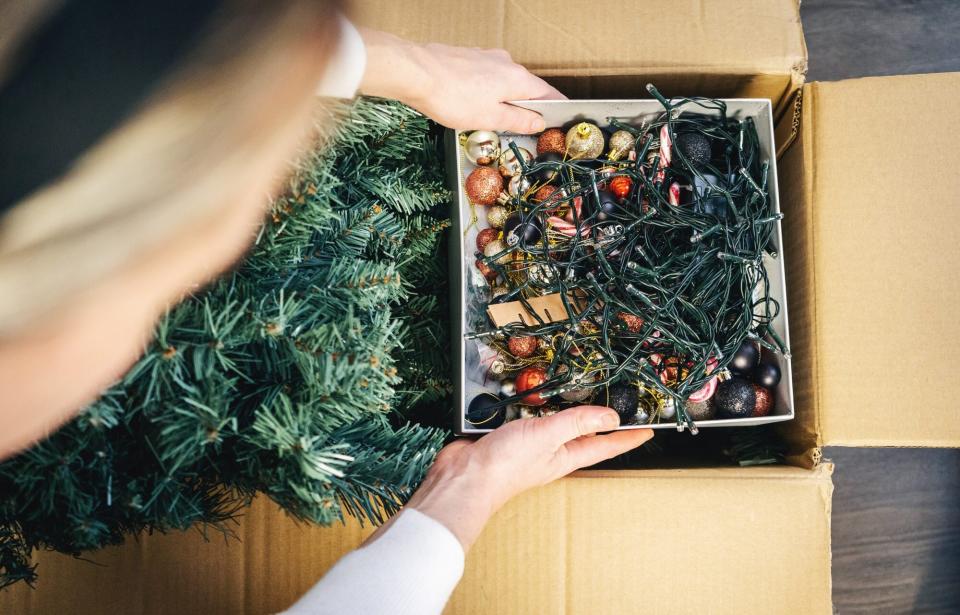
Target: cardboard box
x=869 y=187
x=470 y=377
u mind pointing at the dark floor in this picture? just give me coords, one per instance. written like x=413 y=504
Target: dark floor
x=896 y=512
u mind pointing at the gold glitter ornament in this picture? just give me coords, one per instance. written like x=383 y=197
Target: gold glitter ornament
x=497 y=216
x=585 y=140
x=621 y=144
x=496 y=247
x=482 y=147
x=499 y=291
x=509 y=164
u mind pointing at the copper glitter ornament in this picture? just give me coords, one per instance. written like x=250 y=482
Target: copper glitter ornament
x=621 y=144
x=486 y=236
x=497 y=215
x=497 y=246
x=509 y=164
x=522 y=346
x=634 y=323
x=764 y=403
x=483 y=185
x=551 y=140
x=585 y=140
x=482 y=147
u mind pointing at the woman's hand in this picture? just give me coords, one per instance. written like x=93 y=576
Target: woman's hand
x=470 y=479
x=456 y=86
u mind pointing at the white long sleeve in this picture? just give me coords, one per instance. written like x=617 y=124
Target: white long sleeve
x=411 y=569
x=346 y=64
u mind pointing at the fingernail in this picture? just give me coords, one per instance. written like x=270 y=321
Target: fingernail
x=610 y=420
x=537 y=125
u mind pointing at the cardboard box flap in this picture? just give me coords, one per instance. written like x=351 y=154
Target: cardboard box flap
x=884 y=199
x=659 y=541
x=746 y=42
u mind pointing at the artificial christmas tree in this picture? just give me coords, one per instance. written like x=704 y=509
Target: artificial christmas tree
x=294 y=375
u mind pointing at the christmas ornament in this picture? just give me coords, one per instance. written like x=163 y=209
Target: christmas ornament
x=624 y=399
x=551 y=141
x=482 y=147
x=551 y=169
x=510 y=165
x=482 y=411
x=518 y=186
x=579 y=392
x=484 y=185
x=487 y=271
x=735 y=399
x=486 y=236
x=519 y=232
x=498 y=367
x=695 y=146
x=764 y=402
x=746 y=358
x=700 y=410
x=497 y=214
x=705 y=392
x=620 y=186
x=497 y=247
x=507 y=387
x=498 y=291
x=607 y=208
x=669 y=409
x=634 y=323
x=530 y=378
x=522 y=346
x=767 y=374
x=621 y=144
x=585 y=140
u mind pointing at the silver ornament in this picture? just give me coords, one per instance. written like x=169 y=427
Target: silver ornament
x=700 y=411
x=509 y=165
x=517 y=187
x=496 y=247
x=668 y=410
x=541 y=274
x=498 y=367
x=621 y=144
x=482 y=147
x=507 y=387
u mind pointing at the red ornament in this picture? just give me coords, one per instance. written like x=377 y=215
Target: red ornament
x=486 y=236
x=529 y=378
x=552 y=140
x=620 y=186
x=764 y=401
x=634 y=323
x=484 y=185
x=486 y=271
x=522 y=346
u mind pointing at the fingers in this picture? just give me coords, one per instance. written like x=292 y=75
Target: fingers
x=564 y=426
x=451 y=449
x=520 y=121
x=589 y=450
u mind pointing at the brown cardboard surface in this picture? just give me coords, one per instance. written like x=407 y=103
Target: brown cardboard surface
x=753 y=540
x=749 y=48
x=883 y=198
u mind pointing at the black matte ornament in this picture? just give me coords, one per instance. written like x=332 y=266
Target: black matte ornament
x=746 y=358
x=518 y=232
x=481 y=413
x=767 y=375
x=735 y=399
x=548 y=173
x=624 y=399
x=695 y=146
x=607 y=208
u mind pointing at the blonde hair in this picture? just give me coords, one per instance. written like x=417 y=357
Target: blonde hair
x=227 y=111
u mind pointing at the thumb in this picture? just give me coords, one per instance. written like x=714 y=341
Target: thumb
x=521 y=121
x=572 y=423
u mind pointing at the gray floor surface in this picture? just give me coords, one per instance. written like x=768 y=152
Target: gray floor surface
x=896 y=512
